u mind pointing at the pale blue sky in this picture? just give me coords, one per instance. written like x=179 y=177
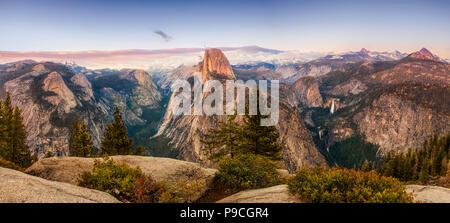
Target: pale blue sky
x=301 y=25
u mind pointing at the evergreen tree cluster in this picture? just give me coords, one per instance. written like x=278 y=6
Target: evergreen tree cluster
x=13 y=136
x=432 y=160
x=115 y=139
x=80 y=142
x=231 y=139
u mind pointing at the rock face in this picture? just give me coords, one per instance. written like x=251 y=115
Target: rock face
x=215 y=66
x=170 y=171
x=49 y=96
x=54 y=83
x=423 y=54
x=17 y=187
x=82 y=81
x=398 y=125
x=275 y=194
x=182 y=72
x=394 y=104
x=305 y=92
x=429 y=194
x=187 y=131
x=132 y=91
x=292 y=73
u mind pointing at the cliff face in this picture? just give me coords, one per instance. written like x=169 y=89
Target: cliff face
x=136 y=96
x=305 y=92
x=187 y=131
x=215 y=66
x=49 y=97
x=396 y=124
x=394 y=104
x=182 y=72
x=132 y=91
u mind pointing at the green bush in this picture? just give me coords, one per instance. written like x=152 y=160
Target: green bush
x=246 y=171
x=319 y=185
x=10 y=165
x=117 y=179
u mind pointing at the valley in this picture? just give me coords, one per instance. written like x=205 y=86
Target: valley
x=389 y=101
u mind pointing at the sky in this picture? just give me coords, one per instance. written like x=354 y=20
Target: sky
x=310 y=26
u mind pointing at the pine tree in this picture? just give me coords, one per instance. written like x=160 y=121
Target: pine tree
x=424 y=173
x=140 y=151
x=115 y=140
x=80 y=142
x=231 y=139
x=367 y=166
x=22 y=154
x=260 y=140
x=74 y=146
x=13 y=137
x=224 y=140
x=85 y=141
x=3 y=143
x=7 y=124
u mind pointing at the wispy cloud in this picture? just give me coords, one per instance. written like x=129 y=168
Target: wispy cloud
x=163 y=35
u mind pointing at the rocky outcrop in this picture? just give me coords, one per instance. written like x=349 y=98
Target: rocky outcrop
x=275 y=194
x=305 y=92
x=394 y=104
x=298 y=148
x=17 y=187
x=169 y=171
x=182 y=72
x=215 y=66
x=187 y=131
x=132 y=91
x=429 y=194
x=62 y=94
x=398 y=125
x=50 y=96
x=423 y=54
x=353 y=87
x=292 y=73
x=86 y=87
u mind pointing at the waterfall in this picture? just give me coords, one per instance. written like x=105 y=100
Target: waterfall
x=333 y=107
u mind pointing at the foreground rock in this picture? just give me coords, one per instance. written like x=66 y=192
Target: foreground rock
x=429 y=194
x=170 y=171
x=17 y=187
x=275 y=194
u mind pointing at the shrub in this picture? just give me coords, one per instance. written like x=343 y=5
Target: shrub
x=117 y=179
x=319 y=185
x=10 y=165
x=246 y=171
x=183 y=191
x=147 y=190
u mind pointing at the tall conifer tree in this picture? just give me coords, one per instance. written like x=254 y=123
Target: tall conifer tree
x=74 y=146
x=22 y=154
x=115 y=140
x=224 y=140
x=81 y=144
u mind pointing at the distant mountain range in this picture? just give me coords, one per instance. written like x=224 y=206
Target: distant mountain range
x=167 y=59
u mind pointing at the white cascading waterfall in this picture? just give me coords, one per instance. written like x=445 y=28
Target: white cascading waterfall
x=333 y=107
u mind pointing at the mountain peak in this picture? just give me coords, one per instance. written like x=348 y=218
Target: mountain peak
x=215 y=66
x=364 y=50
x=423 y=54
